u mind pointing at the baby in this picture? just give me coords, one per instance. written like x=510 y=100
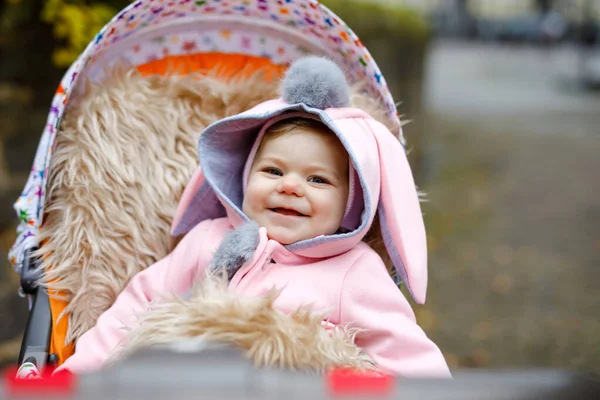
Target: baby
x=284 y=197
x=298 y=183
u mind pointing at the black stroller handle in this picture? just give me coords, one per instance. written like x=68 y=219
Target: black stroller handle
x=36 y=340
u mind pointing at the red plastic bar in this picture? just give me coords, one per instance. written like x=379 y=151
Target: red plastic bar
x=62 y=383
x=342 y=382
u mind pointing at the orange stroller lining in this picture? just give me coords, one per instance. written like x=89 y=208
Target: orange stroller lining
x=230 y=65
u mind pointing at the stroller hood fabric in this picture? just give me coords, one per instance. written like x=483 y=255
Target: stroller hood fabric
x=147 y=30
x=381 y=180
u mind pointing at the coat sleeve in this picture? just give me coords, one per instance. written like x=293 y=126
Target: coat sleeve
x=371 y=301
x=173 y=274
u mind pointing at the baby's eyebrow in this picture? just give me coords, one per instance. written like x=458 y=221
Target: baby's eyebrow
x=267 y=159
x=270 y=158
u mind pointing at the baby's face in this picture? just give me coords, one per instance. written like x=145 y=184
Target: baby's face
x=298 y=185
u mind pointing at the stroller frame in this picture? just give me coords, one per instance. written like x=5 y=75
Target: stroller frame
x=306 y=26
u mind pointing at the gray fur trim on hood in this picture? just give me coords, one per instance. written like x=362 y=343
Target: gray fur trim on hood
x=236 y=249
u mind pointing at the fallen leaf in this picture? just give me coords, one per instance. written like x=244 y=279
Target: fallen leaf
x=481 y=357
x=502 y=284
x=481 y=331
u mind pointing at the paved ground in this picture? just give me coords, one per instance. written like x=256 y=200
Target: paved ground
x=511 y=164
x=514 y=215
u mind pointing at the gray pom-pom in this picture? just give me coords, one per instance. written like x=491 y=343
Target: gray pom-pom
x=316 y=82
x=237 y=248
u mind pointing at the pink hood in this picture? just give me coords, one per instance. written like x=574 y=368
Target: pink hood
x=381 y=181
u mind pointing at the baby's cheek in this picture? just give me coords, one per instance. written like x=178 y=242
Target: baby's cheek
x=336 y=205
x=250 y=204
x=330 y=214
x=255 y=190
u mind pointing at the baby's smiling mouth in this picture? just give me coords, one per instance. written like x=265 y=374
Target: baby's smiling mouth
x=287 y=211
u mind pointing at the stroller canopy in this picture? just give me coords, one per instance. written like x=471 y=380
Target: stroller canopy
x=147 y=30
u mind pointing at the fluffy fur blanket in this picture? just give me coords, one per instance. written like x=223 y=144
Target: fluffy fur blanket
x=268 y=337
x=124 y=153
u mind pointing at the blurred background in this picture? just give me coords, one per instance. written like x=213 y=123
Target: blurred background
x=503 y=99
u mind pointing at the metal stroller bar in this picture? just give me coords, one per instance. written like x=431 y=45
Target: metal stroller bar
x=36 y=340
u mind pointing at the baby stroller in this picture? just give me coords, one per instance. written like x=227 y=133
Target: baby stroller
x=107 y=174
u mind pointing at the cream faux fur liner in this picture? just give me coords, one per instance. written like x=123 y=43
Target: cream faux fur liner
x=123 y=155
x=268 y=337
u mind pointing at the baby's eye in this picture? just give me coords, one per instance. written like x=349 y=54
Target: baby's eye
x=273 y=171
x=318 y=179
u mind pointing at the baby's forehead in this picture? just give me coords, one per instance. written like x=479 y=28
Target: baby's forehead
x=318 y=140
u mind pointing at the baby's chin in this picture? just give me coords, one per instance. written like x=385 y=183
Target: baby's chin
x=286 y=237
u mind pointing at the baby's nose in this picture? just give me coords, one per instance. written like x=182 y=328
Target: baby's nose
x=291 y=185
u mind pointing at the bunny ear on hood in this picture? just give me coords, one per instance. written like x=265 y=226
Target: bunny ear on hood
x=380 y=177
x=400 y=214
